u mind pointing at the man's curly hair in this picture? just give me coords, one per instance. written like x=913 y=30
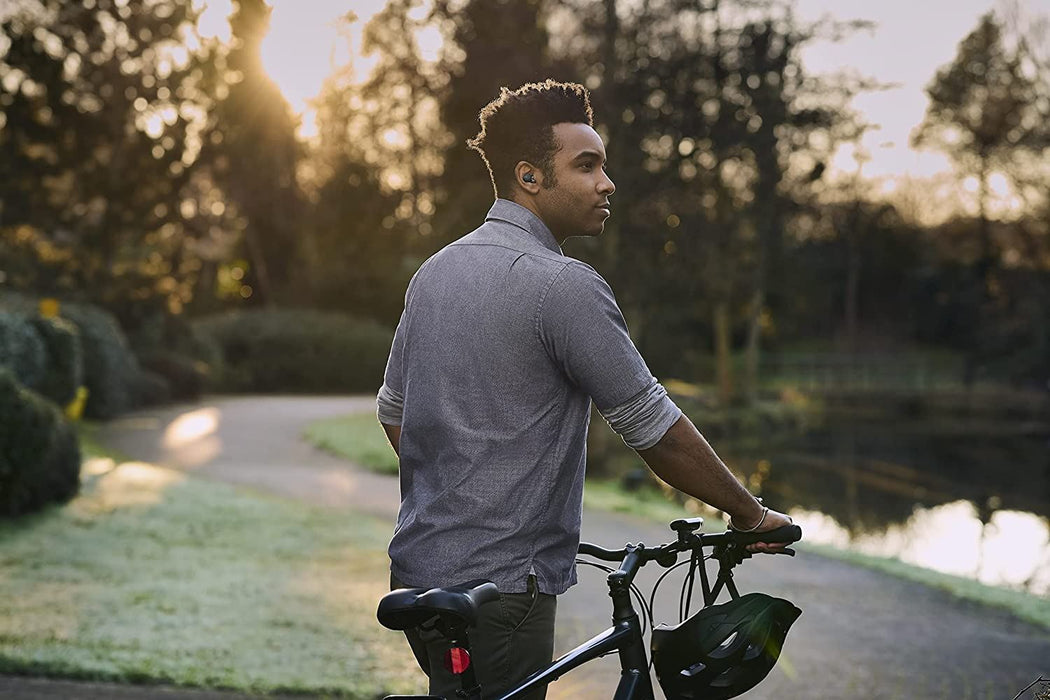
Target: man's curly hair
x=517 y=125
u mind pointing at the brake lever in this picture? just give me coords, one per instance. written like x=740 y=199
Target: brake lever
x=786 y=550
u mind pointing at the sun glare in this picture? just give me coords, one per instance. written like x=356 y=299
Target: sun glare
x=304 y=45
x=191 y=426
x=307 y=41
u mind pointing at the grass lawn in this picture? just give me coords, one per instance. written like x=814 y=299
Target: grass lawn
x=359 y=438
x=154 y=576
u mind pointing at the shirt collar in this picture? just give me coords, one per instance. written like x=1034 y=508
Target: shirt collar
x=517 y=215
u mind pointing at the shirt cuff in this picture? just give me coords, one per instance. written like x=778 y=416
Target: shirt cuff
x=390 y=406
x=642 y=420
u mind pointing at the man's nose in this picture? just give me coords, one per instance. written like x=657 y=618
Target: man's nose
x=606 y=186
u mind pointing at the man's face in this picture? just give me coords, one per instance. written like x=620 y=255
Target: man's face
x=578 y=204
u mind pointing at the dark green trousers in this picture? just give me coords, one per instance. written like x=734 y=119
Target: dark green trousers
x=513 y=639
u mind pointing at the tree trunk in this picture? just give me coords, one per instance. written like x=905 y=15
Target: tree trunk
x=982 y=209
x=723 y=359
x=203 y=300
x=258 y=262
x=852 y=236
x=754 y=341
x=983 y=271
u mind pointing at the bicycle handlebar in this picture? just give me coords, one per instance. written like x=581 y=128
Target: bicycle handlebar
x=786 y=535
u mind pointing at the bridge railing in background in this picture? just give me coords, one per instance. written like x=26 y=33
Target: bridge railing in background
x=904 y=372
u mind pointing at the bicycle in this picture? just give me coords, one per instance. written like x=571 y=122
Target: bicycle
x=453 y=610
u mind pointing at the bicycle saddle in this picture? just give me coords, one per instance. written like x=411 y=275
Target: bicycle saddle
x=406 y=608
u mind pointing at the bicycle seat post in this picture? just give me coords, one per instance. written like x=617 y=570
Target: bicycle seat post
x=469 y=688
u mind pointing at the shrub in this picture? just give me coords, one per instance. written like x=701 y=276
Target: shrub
x=17 y=303
x=39 y=454
x=175 y=348
x=150 y=388
x=184 y=376
x=298 y=351
x=64 y=358
x=85 y=346
x=110 y=369
x=22 y=349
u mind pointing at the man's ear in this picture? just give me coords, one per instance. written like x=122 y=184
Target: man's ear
x=528 y=177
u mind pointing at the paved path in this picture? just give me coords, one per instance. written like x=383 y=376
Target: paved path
x=862 y=635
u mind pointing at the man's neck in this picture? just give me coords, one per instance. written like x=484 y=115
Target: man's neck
x=531 y=206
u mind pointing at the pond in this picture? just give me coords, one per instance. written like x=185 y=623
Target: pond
x=963 y=495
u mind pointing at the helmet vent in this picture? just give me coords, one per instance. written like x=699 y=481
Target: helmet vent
x=725 y=648
x=694 y=670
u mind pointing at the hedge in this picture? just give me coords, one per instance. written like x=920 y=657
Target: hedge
x=111 y=372
x=39 y=453
x=22 y=349
x=185 y=377
x=174 y=348
x=298 y=351
x=64 y=357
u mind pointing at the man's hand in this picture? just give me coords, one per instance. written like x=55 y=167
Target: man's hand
x=772 y=521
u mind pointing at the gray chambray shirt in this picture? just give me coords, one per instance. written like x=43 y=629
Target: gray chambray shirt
x=503 y=343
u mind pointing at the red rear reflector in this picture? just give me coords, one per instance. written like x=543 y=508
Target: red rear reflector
x=457 y=660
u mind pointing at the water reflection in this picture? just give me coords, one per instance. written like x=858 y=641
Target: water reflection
x=962 y=497
x=1013 y=550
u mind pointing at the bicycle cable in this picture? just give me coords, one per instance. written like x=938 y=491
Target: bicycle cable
x=647 y=611
x=659 y=581
x=696 y=558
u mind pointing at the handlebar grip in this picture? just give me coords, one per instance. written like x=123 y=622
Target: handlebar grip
x=593 y=550
x=785 y=534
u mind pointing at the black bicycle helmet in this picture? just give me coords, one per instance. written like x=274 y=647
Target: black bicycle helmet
x=723 y=650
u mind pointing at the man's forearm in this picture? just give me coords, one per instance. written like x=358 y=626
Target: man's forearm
x=393 y=434
x=685 y=460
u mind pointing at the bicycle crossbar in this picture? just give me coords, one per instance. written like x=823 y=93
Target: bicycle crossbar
x=601 y=644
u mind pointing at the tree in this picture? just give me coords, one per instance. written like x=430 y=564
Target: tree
x=257 y=154
x=362 y=270
x=399 y=102
x=981 y=114
x=100 y=141
x=362 y=225
x=493 y=44
x=709 y=108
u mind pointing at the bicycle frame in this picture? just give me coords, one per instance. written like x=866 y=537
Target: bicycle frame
x=624 y=636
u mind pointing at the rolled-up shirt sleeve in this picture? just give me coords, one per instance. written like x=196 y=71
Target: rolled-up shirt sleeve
x=390 y=401
x=585 y=334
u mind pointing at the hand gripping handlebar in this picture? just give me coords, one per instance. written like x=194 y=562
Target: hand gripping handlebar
x=781 y=535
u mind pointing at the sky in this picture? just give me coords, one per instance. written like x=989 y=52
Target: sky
x=913 y=38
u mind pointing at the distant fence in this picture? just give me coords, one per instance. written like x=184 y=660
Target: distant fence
x=864 y=372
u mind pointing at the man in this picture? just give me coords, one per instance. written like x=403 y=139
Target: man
x=502 y=347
